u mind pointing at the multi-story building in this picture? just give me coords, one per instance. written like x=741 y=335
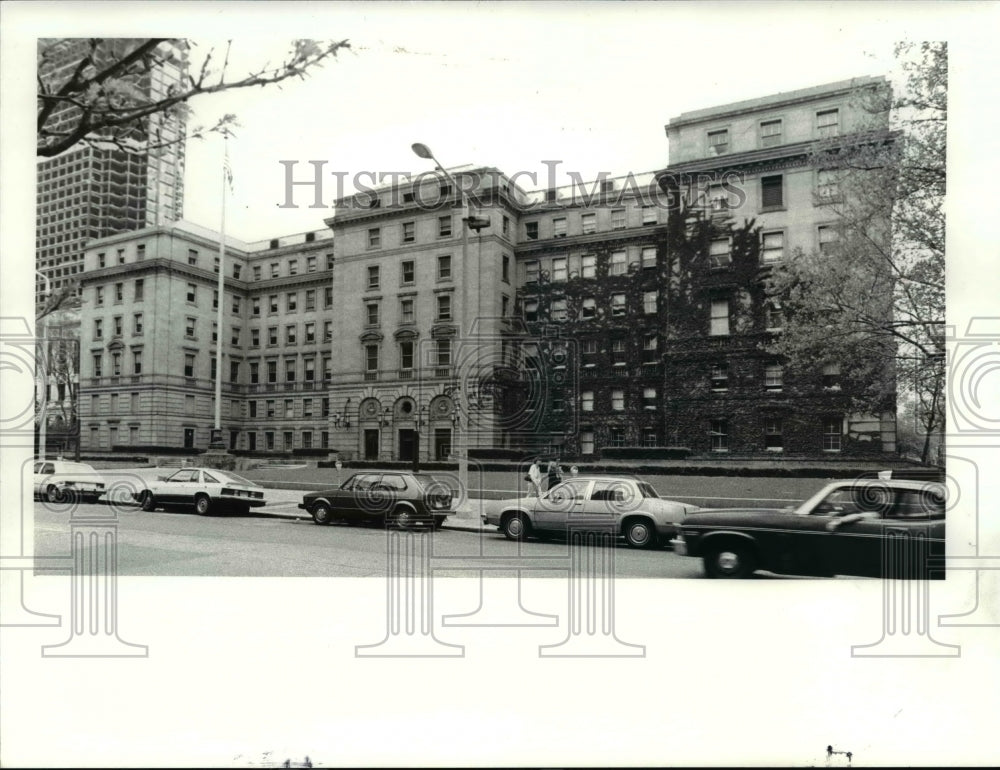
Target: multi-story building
x=628 y=312
x=150 y=340
x=98 y=189
x=751 y=195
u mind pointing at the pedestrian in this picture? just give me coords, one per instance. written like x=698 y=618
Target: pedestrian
x=555 y=473
x=534 y=478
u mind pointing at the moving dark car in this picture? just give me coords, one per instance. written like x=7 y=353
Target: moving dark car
x=402 y=499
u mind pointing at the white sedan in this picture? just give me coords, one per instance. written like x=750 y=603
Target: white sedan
x=60 y=481
x=615 y=505
x=207 y=489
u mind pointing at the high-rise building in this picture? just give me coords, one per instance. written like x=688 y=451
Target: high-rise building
x=99 y=188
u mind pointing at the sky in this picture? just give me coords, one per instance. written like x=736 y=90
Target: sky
x=238 y=667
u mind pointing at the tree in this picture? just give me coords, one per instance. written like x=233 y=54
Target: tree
x=871 y=299
x=98 y=90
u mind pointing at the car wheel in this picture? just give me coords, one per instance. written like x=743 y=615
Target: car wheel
x=516 y=527
x=147 y=502
x=322 y=514
x=640 y=533
x=202 y=505
x=729 y=560
x=404 y=518
x=53 y=494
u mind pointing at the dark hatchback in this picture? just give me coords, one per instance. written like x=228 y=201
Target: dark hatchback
x=891 y=529
x=401 y=499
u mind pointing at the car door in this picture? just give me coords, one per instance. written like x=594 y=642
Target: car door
x=177 y=489
x=357 y=501
x=553 y=510
x=42 y=473
x=607 y=501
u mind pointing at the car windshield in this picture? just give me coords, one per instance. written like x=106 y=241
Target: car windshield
x=647 y=490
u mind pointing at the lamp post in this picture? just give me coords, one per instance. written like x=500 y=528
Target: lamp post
x=42 y=365
x=469 y=220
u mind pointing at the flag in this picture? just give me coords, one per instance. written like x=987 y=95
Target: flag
x=228 y=169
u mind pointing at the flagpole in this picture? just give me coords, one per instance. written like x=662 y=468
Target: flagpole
x=217 y=432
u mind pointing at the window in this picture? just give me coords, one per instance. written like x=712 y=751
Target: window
x=371 y=313
x=589 y=222
x=827 y=237
x=254 y=372
x=293 y=267
x=719 y=434
x=407 y=273
x=256 y=272
x=324 y=407
x=832 y=431
x=406 y=354
x=444 y=226
x=770 y=133
x=374 y=237
x=649 y=348
x=138 y=290
x=617 y=304
x=504 y=306
x=190 y=325
x=116 y=323
x=831 y=376
x=272 y=304
x=406 y=311
x=328 y=297
x=189 y=364
x=771 y=192
x=505 y=227
x=774 y=319
x=307 y=436
x=309 y=373
x=773 y=376
x=98 y=329
x=649 y=398
x=290 y=334
x=531 y=231
x=269 y=440
x=589 y=308
x=650 y=438
x=719 y=324
x=616 y=437
x=772 y=246
x=310 y=264
x=589 y=266
x=191 y=293
x=137 y=323
x=559 y=227
x=269 y=408
x=586 y=442
x=253 y=409
x=444 y=268
x=718 y=141
x=327 y=368
x=772 y=434
x=136 y=362
x=234 y=372
x=236 y=305
x=531 y=271
x=101 y=262
x=99 y=296
x=648 y=257
x=619 y=264
x=649 y=301
x=371 y=358
x=272 y=371
x=720 y=377
x=192 y=256
x=559 y=269
x=531 y=310
x=310 y=333
x=587 y=401
x=328 y=331
x=215 y=300
x=289 y=407
x=828 y=123
x=618 y=219
x=290 y=370
x=617 y=400
x=649 y=215
x=444 y=352
x=618 y=352
x=98 y=365
x=272 y=335
x=275 y=269
x=409 y=232
x=310 y=299
x=373 y=276
x=827 y=185
x=557 y=312
x=505 y=268
x=255 y=306
x=444 y=307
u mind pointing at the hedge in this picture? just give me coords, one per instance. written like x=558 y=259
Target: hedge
x=645 y=453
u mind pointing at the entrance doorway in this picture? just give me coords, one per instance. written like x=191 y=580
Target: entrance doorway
x=188 y=438
x=442 y=443
x=407 y=443
x=371 y=443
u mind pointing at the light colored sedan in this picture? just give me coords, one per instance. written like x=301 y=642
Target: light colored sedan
x=61 y=481
x=206 y=489
x=616 y=505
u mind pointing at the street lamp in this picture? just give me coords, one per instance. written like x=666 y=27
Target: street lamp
x=469 y=220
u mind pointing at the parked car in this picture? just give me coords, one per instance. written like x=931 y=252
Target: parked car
x=619 y=505
x=884 y=528
x=403 y=499
x=206 y=489
x=60 y=481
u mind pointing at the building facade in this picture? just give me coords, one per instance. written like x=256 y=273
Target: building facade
x=93 y=190
x=457 y=310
